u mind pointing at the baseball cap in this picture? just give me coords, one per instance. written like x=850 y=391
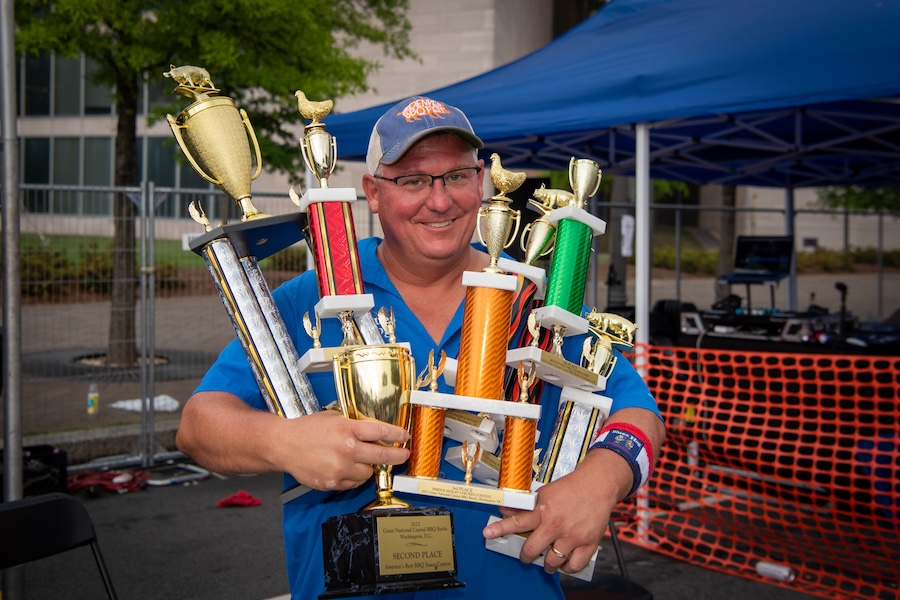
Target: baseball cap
x=410 y=120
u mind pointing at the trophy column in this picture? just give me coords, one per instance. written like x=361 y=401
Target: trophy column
x=215 y=137
x=364 y=552
x=581 y=410
x=479 y=378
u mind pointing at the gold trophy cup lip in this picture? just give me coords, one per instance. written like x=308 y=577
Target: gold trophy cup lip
x=204 y=104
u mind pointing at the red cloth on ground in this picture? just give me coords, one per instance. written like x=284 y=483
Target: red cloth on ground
x=241 y=498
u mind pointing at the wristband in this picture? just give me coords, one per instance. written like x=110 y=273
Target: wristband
x=632 y=444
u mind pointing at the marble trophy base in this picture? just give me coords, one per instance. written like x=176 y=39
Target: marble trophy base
x=389 y=551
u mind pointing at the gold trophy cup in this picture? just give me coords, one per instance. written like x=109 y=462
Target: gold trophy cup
x=374 y=382
x=369 y=551
x=215 y=137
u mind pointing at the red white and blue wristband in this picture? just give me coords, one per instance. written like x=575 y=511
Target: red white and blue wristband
x=632 y=444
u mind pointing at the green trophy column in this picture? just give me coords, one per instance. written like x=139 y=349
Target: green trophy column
x=569 y=266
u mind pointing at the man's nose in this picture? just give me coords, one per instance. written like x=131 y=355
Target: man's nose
x=438 y=195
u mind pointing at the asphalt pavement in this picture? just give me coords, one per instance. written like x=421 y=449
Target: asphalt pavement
x=173 y=541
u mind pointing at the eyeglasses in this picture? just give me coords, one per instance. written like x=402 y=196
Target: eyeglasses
x=419 y=182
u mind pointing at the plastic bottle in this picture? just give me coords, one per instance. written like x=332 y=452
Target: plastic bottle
x=776 y=571
x=93 y=399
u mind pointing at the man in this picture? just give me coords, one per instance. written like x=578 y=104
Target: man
x=425 y=184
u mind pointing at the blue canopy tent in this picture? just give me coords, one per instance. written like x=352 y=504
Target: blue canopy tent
x=781 y=93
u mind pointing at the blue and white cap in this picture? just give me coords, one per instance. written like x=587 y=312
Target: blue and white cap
x=409 y=121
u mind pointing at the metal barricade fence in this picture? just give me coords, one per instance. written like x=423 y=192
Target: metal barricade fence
x=181 y=324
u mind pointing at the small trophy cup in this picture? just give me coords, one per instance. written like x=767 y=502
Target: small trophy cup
x=374 y=382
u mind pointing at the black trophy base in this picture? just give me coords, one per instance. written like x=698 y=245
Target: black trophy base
x=389 y=551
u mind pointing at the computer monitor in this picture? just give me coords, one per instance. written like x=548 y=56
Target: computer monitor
x=764 y=254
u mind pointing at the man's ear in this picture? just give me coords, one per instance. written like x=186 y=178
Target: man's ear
x=370 y=189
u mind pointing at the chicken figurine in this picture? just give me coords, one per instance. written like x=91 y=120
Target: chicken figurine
x=504 y=180
x=314 y=111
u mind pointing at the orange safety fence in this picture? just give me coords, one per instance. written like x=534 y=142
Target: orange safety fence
x=777 y=467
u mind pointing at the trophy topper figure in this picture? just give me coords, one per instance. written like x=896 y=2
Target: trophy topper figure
x=538 y=236
x=319 y=147
x=497 y=218
x=193 y=82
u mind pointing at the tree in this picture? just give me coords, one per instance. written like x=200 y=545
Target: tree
x=258 y=52
x=855 y=198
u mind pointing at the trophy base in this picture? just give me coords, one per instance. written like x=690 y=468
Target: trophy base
x=260 y=237
x=369 y=553
x=469 y=492
x=556 y=370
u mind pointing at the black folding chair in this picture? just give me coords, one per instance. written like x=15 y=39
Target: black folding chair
x=42 y=526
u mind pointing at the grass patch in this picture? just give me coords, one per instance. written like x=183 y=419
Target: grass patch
x=78 y=249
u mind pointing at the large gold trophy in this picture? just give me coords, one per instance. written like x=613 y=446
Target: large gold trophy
x=216 y=139
x=212 y=133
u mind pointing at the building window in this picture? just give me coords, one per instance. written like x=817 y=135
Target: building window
x=66 y=171
x=98 y=99
x=67 y=82
x=37 y=85
x=98 y=171
x=67 y=87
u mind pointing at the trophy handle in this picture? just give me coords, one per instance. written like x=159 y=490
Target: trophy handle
x=176 y=130
x=246 y=121
x=478 y=226
x=523 y=241
x=516 y=218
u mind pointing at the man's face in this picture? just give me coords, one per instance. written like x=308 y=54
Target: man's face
x=437 y=223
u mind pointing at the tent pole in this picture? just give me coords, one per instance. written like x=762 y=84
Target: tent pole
x=642 y=233
x=790 y=229
x=642 y=282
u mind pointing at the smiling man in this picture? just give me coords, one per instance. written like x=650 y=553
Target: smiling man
x=425 y=184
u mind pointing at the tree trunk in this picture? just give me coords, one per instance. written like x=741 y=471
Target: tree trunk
x=122 y=349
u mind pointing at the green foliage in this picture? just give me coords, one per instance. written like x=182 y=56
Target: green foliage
x=168 y=277
x=854 y=198
x=869 y=256
x=95 y=273
x=693 y=260
x=292 y=259
x=44 y=272
x=837 y=261
x=822 y=260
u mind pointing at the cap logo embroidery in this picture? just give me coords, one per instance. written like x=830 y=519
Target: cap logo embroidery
x=423 y=107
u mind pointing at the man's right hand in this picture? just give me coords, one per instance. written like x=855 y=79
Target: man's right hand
x=343 y=450
x=324 y=451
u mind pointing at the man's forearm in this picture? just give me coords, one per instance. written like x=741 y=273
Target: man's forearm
x=224 y=434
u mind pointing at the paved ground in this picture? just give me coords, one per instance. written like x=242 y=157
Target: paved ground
x=173 y=542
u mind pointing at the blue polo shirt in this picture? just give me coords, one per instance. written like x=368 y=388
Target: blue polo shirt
x=486 y=574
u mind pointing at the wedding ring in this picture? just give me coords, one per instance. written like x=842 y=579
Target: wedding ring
x=564 y=557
